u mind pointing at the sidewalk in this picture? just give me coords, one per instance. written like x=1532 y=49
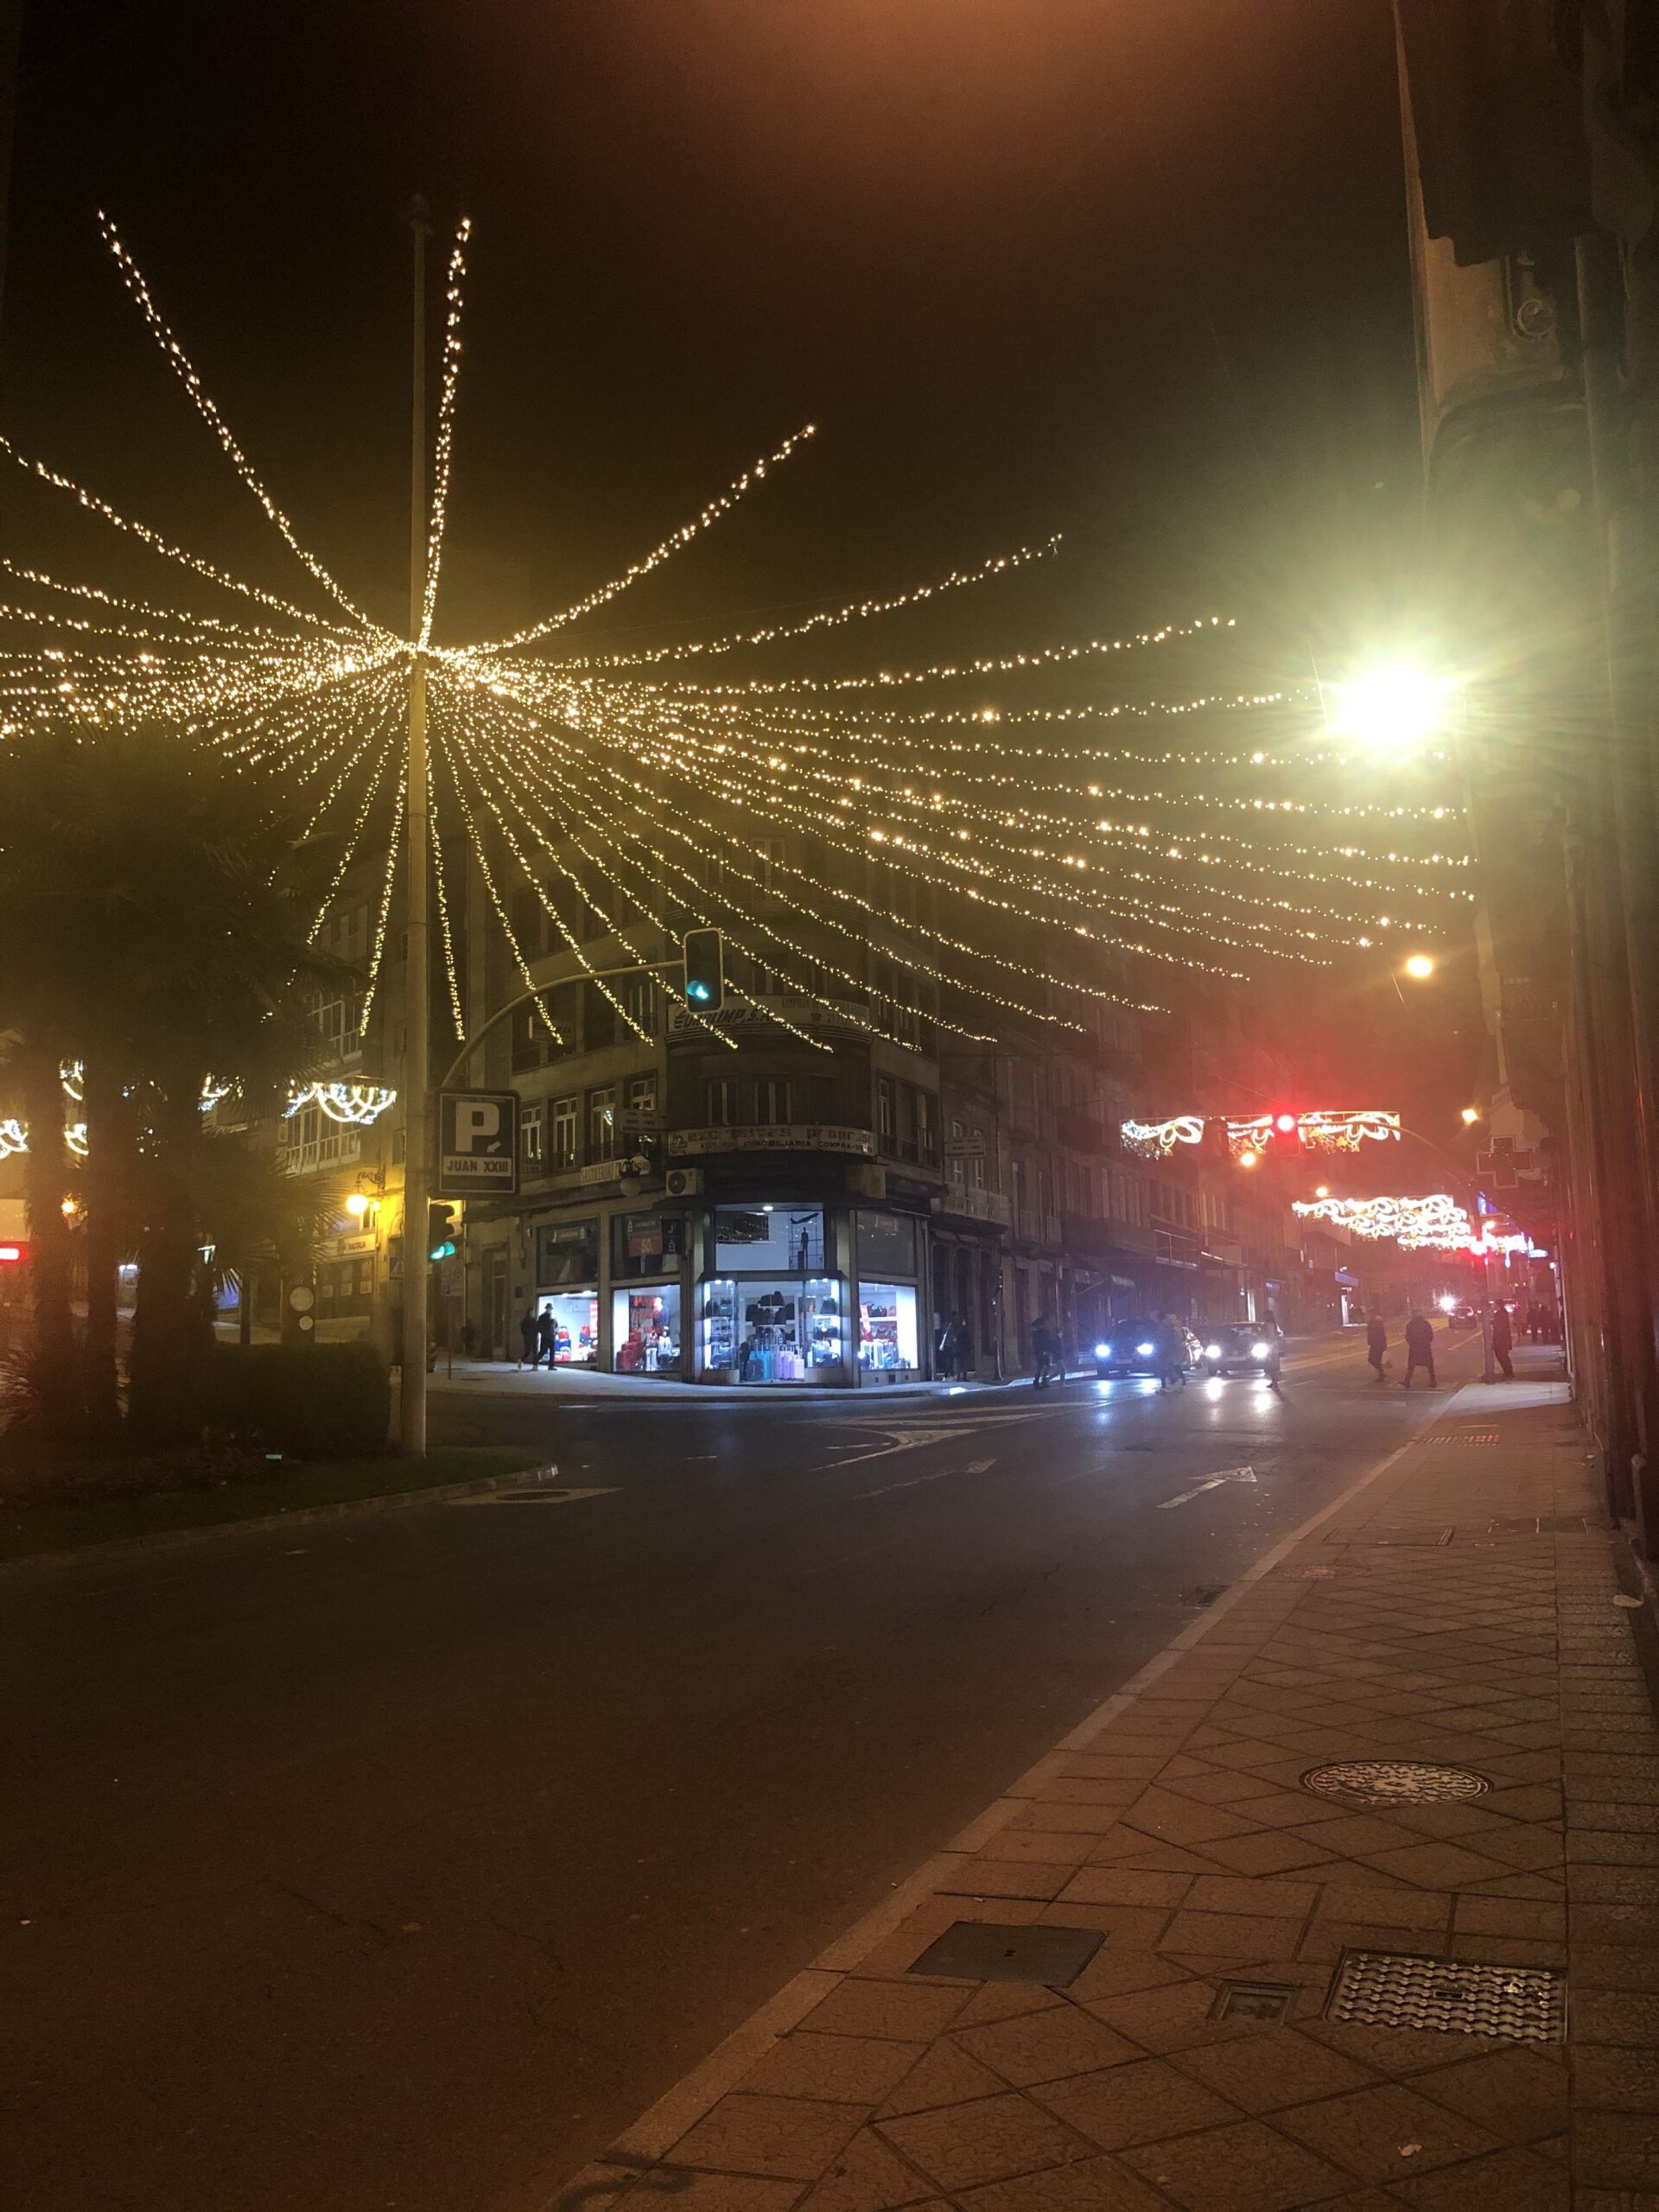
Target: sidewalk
x=1276 y=1997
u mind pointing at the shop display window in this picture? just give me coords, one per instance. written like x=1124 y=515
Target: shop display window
x=886 y=1244
x=646 y=1245
x=780 y=1331
x=567 y=1252
x=886 y=1326
x=645 y=1330
x=771 y=1237
x=575 y=1326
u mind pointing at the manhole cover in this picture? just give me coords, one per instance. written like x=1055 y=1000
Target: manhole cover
x=1393 y=1782
x=1386 y=1989
x=980 y=1950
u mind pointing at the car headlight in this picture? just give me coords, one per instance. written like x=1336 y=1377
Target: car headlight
x=1212 y=1352
x=1102 y=1352
x=1259 y=1352
x=1144 y=1351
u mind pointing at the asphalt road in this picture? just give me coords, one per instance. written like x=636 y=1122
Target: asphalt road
x=400 y=1860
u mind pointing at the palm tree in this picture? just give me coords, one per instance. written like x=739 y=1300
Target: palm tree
x=155 y=898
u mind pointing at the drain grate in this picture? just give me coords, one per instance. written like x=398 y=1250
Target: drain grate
x=1391 y=1989
x=1472 y=1436
x=1253 y=2000
x=1539 y=1524
x=980 y=1950
x=1393 y=1782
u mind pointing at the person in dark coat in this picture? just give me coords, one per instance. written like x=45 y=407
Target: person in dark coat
x=1503 y=1340
x=1042 y=1351
x=544 y=1337
x=1420 y=1352
x=1377 y=1345
x=527 y=1336
x=1170 y=1339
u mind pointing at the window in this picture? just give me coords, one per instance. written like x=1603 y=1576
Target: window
x=640 y=1094
x=886 y=1244
x=525 y=914
x=769 y=1237
x=646 y=1243
x=530 y=1039
x=927 y=1128
x=567 y=1252
x=773 y=1100
x=602 y=1123
x=771 y=853
x=720 y=1102
x=532 y=1131
x=639 y=996
x=955 y=1157
x=564 y=1132
x=886 y=1112
x=886 y=1326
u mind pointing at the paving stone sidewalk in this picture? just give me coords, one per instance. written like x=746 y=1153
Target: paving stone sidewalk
x=1460 y=1611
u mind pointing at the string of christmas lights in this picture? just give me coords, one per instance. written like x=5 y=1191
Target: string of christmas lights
x=451 y=383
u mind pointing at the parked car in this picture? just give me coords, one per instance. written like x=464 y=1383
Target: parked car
x=1244 y=1347
x=1131 y=1348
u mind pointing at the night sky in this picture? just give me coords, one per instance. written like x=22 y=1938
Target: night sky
x=1134 y=274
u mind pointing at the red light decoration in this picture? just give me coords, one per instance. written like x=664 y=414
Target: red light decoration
x=1285 y=1124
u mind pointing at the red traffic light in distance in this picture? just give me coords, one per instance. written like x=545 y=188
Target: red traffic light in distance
x=1285 y=1124
x=12 y=1254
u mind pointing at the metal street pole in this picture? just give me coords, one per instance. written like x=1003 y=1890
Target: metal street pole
x=417 y=1069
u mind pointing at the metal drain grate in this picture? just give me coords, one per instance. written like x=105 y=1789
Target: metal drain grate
x=1472 y=1436
x=1391 y=1989
x=1393 y=1782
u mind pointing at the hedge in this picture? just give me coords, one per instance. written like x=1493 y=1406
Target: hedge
x=309 y=1401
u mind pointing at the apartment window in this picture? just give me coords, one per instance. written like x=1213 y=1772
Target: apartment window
x=720 y=1102
x=954 y=1160
x=640 y=1095
x=532 y=1132
x=530 y=1039
x=885 y=1111
x=774 y=1101
x=563 y=1122
x=639 y=997
x=927 y=1128
x=525 y=914
x=771 y=852
x=602 y=1123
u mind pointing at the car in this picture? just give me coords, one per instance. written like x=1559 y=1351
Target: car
x=1131 y=1348
x=1244 y=1347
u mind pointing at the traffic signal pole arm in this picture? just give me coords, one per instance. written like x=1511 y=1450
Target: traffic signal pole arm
x=525 y=998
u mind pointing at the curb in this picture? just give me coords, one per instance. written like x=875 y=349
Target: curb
x=382 y=1502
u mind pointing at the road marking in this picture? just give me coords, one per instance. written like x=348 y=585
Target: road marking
x=536 y=1497
x=973 y=1467
x=911 y=1438
x=1211 y=1482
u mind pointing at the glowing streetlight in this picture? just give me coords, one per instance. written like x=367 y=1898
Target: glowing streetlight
x=1391 y=710
x=1419 y=967
x=1469 y=1116
x=358 y=1204
x=1246 y=1159
x=1322 y=1191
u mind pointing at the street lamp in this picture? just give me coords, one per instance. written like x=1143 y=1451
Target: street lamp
x=1391 y=710
x=1419 y=967
x=358 y=1204
x=1469 y=1116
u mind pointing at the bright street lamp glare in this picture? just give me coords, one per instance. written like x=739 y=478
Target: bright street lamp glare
x=358 y=1204
x=1246 y=1160
x=1470 y=1115
x=1420 y=966
x=1391 y=710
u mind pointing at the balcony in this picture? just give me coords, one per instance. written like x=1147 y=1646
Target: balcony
x=966 y=1203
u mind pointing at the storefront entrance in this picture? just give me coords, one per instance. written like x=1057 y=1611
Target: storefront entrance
x=768 y=1309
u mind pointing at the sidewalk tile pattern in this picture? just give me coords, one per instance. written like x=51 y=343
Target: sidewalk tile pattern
x=1181 y=1830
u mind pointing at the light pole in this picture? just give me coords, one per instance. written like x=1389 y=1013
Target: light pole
x=417 y=1071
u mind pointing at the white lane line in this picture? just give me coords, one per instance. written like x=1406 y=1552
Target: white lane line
x=1211 y=1482
x=973 y=1467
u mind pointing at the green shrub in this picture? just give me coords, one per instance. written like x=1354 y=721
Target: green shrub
x=309 y=1401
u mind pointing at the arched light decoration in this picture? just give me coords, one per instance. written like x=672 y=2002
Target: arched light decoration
x=1432 y=1224
x=1322 y=1129
x=355 y=1103
x=12 y=1138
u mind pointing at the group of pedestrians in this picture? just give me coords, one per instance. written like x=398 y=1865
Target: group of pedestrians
x=1420 y=1344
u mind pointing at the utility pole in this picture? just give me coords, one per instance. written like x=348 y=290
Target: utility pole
x=417 y=1069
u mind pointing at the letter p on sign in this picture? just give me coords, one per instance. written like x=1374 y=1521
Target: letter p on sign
x=478 y=1122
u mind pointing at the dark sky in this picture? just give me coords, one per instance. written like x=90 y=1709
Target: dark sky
x=1134 y=272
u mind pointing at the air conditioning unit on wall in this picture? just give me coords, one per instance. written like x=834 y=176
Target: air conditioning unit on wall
x=684 y=1182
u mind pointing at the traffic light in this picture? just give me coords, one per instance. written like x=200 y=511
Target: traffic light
x=440 y=1232
x=705 y=970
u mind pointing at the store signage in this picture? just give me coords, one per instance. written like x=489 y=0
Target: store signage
x=968 y=1148
x=641 y=1121
x=359 y=1242
x=477 y=1143
x=773 y=1137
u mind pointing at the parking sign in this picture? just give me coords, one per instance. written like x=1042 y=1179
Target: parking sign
x=477 y=1143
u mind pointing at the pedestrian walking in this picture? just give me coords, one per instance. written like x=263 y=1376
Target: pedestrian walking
x=1042 y=1351
x=527 y=1337
x=1170 y=1344
x=1377 y=1345
x=1419 y=1350
x=544 y=1337
x=1503 y=1340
